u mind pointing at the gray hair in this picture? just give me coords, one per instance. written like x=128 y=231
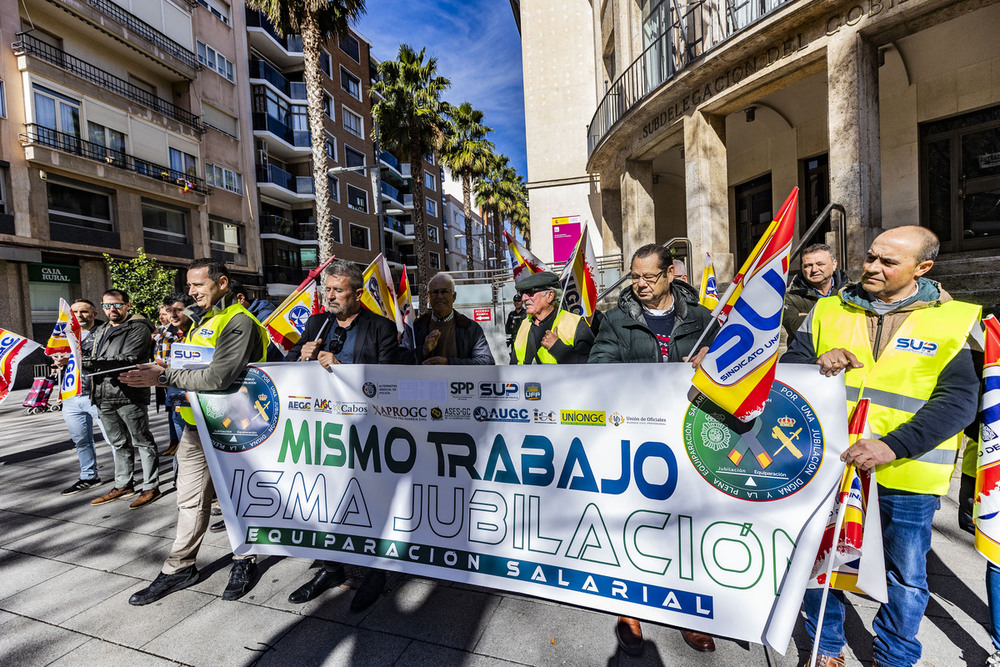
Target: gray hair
x=445 y=277
x=680 y=268
x=350 y=270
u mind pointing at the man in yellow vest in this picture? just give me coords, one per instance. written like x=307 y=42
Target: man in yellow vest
x=906 y=345
x=236 y=339
x=549 y=335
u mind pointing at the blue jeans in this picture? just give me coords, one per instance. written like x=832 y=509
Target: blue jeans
x=906 y=539
x=80 y=414
x=176 y=423
x=993 y=599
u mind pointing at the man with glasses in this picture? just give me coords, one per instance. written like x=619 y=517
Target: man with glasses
x=658 y=319
x=124 y=340
x=345 y=334
x=549 y=335
x=444 y=336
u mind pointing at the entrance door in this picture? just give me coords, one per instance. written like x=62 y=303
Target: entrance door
x=960 y=180
x=754 y=213
x=815 y=179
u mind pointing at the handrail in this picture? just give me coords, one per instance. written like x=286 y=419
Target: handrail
x=814 y=227
x=29 y=44
x=149 y=33
x=677 y=239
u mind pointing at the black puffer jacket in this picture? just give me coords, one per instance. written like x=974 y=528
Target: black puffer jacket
x=130 y=342
x=625 y=338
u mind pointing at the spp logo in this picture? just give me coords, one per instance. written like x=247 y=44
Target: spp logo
x=297 y=317
x=924 y=347
x=533 y=391
x=462 y=389
x=300 y=403
x=497 y=390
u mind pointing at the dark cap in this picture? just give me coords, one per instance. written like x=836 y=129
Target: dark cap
x=544 y=280
x=517 y=298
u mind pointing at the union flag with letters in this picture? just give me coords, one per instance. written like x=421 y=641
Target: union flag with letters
x=986 y=510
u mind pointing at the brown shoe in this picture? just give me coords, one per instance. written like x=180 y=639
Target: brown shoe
x=629 y=634
x=698 y=641
x=145 y=498
x=114 y=494
x=829 y=660
x=171 y=448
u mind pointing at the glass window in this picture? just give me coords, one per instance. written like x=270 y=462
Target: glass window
x=309 y=257
x=108 y=144
x=225 y=235
x=351 y=47
x=55 y=114
x=335 y=230
x=220 y=177
x=164 y=223
x=432 y=233
x=219 y=9
x=431 y=207
x=78 y=206
x=359 y=236
x=334 y=188
x=357 y=199
x=183 y=162
x=353 y=123
x=429 y=181
x=326 y=63
x=3 y=101
x=331 y=147
x=350 y=83
x=435 y=260
x=352 y=157
x=215 y=61
x=328 y=107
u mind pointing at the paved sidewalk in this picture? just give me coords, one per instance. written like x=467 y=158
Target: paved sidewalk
x=67 y=570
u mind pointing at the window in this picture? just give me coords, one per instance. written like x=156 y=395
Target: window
x=350 y=83
x=429 y=158
x=300 y=125
x=352 y=157
x=435 y=260
x=308 y=258
x=331 y=147
x=79 y=204
x=753 y=214
x=214 y=60
x=163 y=223
x=357 y=199
x=353 y=123
x=3 y=101
x=352 y=47
x=183 y=162
x=431 y=206
x=267 y=101
x=220 y=177
x=360 y=236
x=225 y=235
x=432 y=234
x=334 y=184
x=56 y=113
x=220 y=121
x=109 y=144
x=429 y=181
x=335 y=230
x=326 y=63
x=328 y=107
x=218 y=8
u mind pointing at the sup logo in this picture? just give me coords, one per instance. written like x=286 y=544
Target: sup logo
x=768 y=459
x=243 y=416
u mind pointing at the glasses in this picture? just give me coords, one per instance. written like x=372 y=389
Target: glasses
x=439 y=292
x=648 y=278
x=337 y=340
x=109 y=306
x=533 y=291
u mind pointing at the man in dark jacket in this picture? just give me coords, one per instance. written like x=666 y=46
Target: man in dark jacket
x=444 y=336
x=549 y=335
x=514 y=319
x=657 y=319
x=819 y=277
x=125 y=339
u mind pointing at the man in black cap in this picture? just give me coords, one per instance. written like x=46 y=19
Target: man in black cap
x=549 y=335
x=514 y=320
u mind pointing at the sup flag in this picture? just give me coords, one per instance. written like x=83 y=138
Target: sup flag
x=986 y=510
x=377 y=294
x=404 y=304
x=858 y=560
x=521 y=259
x=579 y=286
x=287 y=322
x=72 y=334
x=13 y=348
x=738 y=370
x=708 y=296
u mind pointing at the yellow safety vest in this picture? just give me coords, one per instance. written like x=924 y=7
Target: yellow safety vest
x=207 y=333
x=565 y=328
x=902 y=379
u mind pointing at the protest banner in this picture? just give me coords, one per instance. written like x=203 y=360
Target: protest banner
x=527 y=479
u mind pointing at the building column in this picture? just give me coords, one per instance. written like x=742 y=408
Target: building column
x=855 y=148
x=706 y=184
x=638 y=216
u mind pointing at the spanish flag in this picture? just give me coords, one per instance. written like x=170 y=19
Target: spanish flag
x=522 y=261
x=709 y=294
x=986 y=510
x=13 y=348
x=286 y=324
x=738 y=371
x=58 y=342
x=377 y=294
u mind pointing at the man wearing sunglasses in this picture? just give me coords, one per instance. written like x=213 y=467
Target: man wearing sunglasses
x=549 y=335
x=125 y=339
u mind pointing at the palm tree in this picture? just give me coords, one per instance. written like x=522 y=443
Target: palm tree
x=316 y=21
x=465 y=153
x=487 y=192
x=408 y=112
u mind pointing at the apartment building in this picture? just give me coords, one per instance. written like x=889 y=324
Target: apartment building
x=456 y=242
x=397 y=198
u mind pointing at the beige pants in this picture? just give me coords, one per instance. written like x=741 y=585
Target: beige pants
x=194 y=503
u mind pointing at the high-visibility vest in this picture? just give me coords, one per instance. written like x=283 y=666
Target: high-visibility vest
x=207 y=333
x=902 y=379
x=564 y=327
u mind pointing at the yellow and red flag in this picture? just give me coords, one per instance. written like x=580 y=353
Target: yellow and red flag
x=404 y=304
x=578 y=279
x=13 y=348
x=738 y=371
x=377 y=294
x=522 y=261
x=709 y=294
x=986 y=510
x=287 y=322
x=58 y=342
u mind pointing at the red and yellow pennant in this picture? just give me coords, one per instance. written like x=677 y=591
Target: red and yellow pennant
x=522 y=261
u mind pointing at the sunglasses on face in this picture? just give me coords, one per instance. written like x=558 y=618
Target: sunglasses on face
x=109 y=306
x=532 y=292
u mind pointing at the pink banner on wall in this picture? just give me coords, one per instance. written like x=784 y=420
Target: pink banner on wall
x=564 y=237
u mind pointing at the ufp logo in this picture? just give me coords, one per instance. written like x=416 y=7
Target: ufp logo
x=582 y=417
x=498 y=390
x=533 y=391
x=924 y=347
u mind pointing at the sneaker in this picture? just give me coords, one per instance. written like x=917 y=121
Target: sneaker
x=240 y=578
x=993 y=660
x=114 y=494
x=145 y=498
x=163 y=585
x=82 y=485
x=217 y=527
x=830 y=660
x=172 y=447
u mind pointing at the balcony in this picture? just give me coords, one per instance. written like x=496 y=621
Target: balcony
x=297 y=142
x=397 y=226
x=296 y=231
x=388 y=159
x=30 y=45
x=283 y=186
x=284 y=51
x=263 y=70
x=36 y=135
x=288 y=275
x=702 y=28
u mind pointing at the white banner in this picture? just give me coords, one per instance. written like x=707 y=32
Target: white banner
x=601 y=486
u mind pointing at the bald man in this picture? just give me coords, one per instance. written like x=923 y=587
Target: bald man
x=906 y=345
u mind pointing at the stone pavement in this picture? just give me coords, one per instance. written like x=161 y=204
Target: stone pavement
x=67 y=570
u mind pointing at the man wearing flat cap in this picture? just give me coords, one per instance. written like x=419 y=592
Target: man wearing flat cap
x=549 y=335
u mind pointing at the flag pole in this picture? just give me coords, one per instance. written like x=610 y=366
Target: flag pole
x=841 y=512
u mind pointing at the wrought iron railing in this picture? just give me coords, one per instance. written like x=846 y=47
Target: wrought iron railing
x=696 y=28
x=35 y=134
x=129 y=20
x=28 y=44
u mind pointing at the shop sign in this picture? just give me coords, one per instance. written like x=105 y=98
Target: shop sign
x=54 y=273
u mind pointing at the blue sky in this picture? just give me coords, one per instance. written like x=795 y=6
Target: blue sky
x=477 y=48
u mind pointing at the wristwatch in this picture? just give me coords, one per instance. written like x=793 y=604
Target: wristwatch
x=162 y=379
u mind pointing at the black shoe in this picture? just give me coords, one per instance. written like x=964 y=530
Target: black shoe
x=369 y=591
x=321 y=581
x=217 y=527
x=240 y=578
x=81 y=485
x=165 y=584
